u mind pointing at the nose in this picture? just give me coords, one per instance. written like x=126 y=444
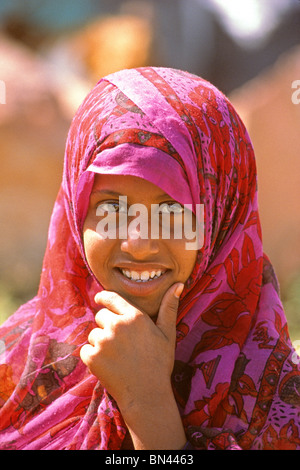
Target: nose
x=139 y=245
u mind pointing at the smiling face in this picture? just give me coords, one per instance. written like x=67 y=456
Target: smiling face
x=140 y=269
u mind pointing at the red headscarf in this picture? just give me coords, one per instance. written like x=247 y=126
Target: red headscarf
x=236 y=378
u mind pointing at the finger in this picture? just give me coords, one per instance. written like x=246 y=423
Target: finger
x=86 y=354
x=114 y=302
x=95 y=336
x=104 y=317
x=167 y=314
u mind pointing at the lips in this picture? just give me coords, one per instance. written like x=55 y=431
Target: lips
x=142 y=280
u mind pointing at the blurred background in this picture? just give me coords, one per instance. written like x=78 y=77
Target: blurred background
x=53 y=52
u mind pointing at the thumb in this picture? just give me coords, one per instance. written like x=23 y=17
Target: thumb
x=166 y=320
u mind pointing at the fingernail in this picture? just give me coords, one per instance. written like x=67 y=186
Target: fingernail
x=178 y=290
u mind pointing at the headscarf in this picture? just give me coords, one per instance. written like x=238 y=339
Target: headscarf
x=235 y=379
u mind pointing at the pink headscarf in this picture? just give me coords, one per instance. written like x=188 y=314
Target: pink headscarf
x=236 y=378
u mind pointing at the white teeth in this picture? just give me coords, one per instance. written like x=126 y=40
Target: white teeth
x=145 y=276
x=142 y=277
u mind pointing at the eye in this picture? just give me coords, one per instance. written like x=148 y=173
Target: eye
x=110 y=207
x=171 y=207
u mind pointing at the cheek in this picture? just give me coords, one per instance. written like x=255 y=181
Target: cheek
x=90 y=244
x=189 y=262
x=96 y=252
x=185 y=259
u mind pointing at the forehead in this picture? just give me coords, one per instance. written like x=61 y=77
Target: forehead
x=126 y=185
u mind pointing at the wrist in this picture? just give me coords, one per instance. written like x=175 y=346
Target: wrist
x=133 y=403
x=155 y=423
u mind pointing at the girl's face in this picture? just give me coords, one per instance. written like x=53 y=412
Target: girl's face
x=128 y=261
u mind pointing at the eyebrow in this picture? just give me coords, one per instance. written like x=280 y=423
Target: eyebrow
x=109 y=192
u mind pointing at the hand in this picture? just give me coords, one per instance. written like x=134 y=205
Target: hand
x=133 y=358
x=131 y=355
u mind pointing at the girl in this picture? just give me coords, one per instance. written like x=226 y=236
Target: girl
x=139 y=338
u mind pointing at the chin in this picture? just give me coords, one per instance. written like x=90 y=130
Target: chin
x=151 y=311
x=146 y=305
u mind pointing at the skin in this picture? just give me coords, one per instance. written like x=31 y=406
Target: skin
x=132 y=349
